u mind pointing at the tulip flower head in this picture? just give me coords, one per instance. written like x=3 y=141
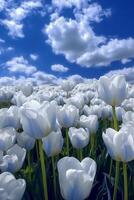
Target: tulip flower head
x=120 y=145
x=112 y=90
x=53 y=143
x=76 y=178
x=10 y=187
x=79 y=137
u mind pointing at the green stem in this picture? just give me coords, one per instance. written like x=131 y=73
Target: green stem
x=116 y=180
x=110 y=170
x=29 y=165
x=125 y=181
x=115 y=119
x=93 y=145
x=115 y=126
x=80 y=154
x=54 y=176
x=43 y=168
x=67 y=142
x=37 y=150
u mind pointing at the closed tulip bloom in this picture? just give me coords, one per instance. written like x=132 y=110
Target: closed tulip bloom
x=38 y=123
x=67 y=116
x=26 y=88
x=79 y=137
x=53 y=143
x=77 y=101
x=76 y=178
x=10 y=187
x=67 y=85
x=112 y=90
x=25 y=141
x=10 y=117
x=19 y=99
x=90 y=122
x=7 y=138
x=120 y=145
x=14 y=159
x=128 y=117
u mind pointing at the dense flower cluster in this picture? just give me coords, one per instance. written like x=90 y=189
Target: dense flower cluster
x=66 y=141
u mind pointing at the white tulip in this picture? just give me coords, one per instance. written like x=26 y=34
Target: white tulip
x=10 y=117
x=67 y=85
x=38 y=123
x=10 y=187
x=67 y=116
x=7 y=138
x=120 y=145
x=79 y=137
x=90 y=122
x=14 y=159
x=76 y=178
x=25 y=141
x=53 y=143
x=112 y=90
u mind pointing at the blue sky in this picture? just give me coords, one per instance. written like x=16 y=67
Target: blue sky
x=61 y=38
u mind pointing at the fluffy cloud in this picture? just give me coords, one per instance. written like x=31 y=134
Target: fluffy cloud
x=92 y=13
x=20 y=65
x=59 y=68
x=71 y=38
x=60 y=4
x=127 y=72
x=16 y=15
x=78 y=43
x=44 y=78
x=2 y=4
x=114 y=50
x=15 y=28
x=34 y=56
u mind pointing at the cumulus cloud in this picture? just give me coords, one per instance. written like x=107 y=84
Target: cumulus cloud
x=16 y=15
x=127 y=72
x=78 y=43
x=45 y=78
x=92 y=13
x=15 y=28
x=76 y=78
x=59 y=68
x=71 y=38
x=34 y=56
x=114 y=50
x=60 y=4
x=20 y=65
x=2 y=4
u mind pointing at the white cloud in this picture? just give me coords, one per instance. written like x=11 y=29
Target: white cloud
x=114 y=50
x=92 y=13
x=77 y=41
x=15 y=28
x=34 y=56
x=71 y=38
x=10 y=48
x=60 y=4
x=2 y=41
x=124 y=61
x=16 y=15
x=59 y=68
x=44 y=78
x=2 y=4
x=127 y=72
x=20 y=65
x=76 y=78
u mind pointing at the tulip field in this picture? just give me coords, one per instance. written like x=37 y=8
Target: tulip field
x=72 y=141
